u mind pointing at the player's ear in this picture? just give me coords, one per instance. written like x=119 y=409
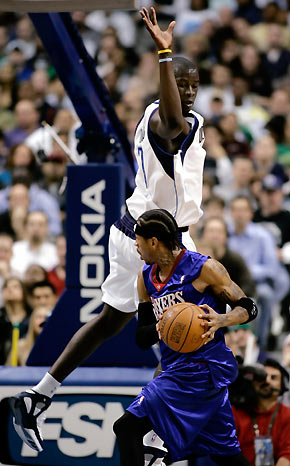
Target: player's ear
x=154 y=241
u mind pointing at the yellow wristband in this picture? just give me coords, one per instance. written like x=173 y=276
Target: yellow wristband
x=164 y=51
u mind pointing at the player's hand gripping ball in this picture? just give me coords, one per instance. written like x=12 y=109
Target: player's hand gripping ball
x=181 y=328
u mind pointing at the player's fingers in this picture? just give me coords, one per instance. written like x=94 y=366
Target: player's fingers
x=206 y=307
x=171 y=26
x=153 y=14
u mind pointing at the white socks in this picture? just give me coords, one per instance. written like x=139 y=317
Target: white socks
x=47 y=386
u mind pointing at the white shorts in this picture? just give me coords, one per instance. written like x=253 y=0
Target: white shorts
x=120 y=287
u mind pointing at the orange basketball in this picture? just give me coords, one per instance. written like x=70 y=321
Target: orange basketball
x=181 y=328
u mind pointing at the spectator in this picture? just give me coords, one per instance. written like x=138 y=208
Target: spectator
x=43 y=294
x=35 y=249
x=13 y=312
x=234 y=139
x=276 y=220
x=246 y=347
x=189 y=20
x=20 y=156
x=39 y=199
x=27 y=121
x=279 y=103
x=221 y=80
x=256 y=245
x=276 y=58
x=216 y=235
x=25 y=38
x=268 y=421
x=12 y=220
x=25 y=344
x=39 y=82
x=239 y=183
x=57 y=275
x=6 y=243
x=264 y=157
x=251 y=68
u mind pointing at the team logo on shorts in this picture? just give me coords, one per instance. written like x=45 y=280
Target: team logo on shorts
x=141 y=399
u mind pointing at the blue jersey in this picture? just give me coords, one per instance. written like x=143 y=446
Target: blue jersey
x=178 y=288
x=188 y=403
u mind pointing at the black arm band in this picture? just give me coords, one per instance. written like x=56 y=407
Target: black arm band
x=146 y=333
x=250 y=306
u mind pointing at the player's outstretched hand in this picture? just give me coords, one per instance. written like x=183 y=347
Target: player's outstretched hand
x=163 y=39
x=213 y=321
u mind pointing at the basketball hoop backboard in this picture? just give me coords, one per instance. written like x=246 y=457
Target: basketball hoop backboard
x=48 y=6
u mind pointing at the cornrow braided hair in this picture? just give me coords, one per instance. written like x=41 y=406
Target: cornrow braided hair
x=161 y=224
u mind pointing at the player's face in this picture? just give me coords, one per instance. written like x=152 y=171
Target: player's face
x=187 y=82
x=144 y=249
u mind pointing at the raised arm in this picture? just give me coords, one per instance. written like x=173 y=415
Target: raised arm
x=215 y=276
x=168 y=122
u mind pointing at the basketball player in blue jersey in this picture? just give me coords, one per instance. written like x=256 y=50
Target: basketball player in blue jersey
x=187 y=405
x=168 y=148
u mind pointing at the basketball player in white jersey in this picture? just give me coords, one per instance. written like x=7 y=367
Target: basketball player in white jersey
x=168 y=148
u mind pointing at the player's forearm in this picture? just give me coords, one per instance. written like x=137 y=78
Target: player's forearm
x=170 y=110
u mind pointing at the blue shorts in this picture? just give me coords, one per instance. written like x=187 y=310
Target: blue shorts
x=189 y=413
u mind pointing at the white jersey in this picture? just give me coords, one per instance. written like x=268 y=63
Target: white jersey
x=167 y=181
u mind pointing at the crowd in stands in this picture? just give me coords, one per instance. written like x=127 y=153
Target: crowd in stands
x=242 y=48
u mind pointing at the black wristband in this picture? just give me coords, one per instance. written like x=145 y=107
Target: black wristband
x=250 y=306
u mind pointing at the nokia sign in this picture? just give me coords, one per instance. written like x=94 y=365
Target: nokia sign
x=93 y=251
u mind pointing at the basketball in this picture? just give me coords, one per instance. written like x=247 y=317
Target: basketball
x=181 y=328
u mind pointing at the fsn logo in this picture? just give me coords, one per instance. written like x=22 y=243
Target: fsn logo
x=98 y=439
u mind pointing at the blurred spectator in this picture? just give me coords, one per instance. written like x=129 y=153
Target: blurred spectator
x=267 y=421
x=246 y=346
x=25 y=38
x=234 y=141
x=215 y=234
x=39 y=82
x=272 y=215
x=279 y=127
x=35 y=249
x=39 y=199
x=217 y=162
x=8 y=89
x=248 y=10
x=286 y=352
x=221 y=81
x=64 y=124
x=57 y=275
x=25 y=344
x=34 y=273
x=190 y=19
x=121 y=21
x=19 y=156
x=276 y=59
x=279 y=103
x=12 y=221
x=13 y=312
x=27 y=121
x=264 y=157
x=43 y=294
x=257 y=247
x=6 y=243
x=276 y=220
x=3 y=42
x=252 y=69
x=237 y=184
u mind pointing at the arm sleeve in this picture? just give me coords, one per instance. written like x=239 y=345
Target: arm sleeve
x=146 y=333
